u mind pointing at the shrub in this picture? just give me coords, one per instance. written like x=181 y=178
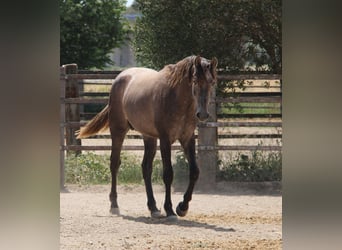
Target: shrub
x=157 y=174
x=130 y=169
x=90 y=168
x=87 y=168
x=180 y=169
x=257 y=167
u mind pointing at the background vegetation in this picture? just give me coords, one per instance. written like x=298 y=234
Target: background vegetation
x=90 y=168
x=90 y=30
x=241 y=34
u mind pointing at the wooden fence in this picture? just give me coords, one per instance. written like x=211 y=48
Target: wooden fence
x=211 y=135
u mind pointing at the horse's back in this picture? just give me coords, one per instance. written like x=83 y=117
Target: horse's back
x=132 y=78
x=138 y=72
x=136 y=90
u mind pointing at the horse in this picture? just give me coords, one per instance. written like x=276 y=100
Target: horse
x=164 y=105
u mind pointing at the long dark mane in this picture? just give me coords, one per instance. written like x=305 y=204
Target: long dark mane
x=181 y=71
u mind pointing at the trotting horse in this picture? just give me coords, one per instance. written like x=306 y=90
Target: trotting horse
x=163 y=104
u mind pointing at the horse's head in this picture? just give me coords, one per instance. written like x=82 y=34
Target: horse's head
x=204 y=78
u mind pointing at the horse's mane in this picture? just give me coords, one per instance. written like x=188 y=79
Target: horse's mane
x=181 y=71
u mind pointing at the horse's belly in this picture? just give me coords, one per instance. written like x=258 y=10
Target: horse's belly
x=143 y=126
x=140 y=116
x=138 y=102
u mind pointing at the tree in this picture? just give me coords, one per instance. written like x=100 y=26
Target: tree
x=241 y=34
x=89 y=30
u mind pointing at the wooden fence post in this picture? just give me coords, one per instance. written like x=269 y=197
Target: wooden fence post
x=62 y=128
x=207 y=153
x=72 y=112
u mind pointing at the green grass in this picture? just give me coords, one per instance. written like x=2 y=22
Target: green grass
x=180 y=170
x=250 y=108
x=90 y=168
x=257 y=167
x=87 y=169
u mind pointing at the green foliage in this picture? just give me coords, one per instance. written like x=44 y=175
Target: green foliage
x=236 y=88
x=87 y=168
x=89 y=30
x=257 y=167
x=180 y=169
x=130 y=169
x=90 y=168
x=238 y=33
x=157 y=174
x=249 y=108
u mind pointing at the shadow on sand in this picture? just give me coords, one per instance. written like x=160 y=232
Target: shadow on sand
x=179 y=222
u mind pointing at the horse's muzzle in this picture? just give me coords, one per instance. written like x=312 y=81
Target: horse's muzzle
x=202 y=116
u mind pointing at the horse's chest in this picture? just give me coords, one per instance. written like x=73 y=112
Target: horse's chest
x=181 y=127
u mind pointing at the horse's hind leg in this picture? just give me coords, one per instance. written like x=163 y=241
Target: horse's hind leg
x=150 y=151
x=117 y=140
x=165 y=149
x=190 y=153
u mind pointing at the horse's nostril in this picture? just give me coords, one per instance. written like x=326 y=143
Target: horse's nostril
x=202 y=116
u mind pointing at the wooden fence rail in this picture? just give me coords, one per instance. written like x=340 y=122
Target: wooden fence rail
x=73 y=98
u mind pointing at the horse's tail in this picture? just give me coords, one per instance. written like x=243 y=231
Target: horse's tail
x=98 y=123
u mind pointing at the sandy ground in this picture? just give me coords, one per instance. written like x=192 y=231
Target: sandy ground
x=231 y=218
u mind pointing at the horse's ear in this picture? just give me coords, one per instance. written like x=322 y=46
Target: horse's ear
x=213 y=65
x=198 y=61
x=193 y=68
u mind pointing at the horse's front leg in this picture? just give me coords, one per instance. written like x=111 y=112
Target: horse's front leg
x=165 y=149
x=190 y=153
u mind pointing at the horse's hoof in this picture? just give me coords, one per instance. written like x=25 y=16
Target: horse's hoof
x=172 y=218
x=180 y=212
x=156 y=214
x=115 y=211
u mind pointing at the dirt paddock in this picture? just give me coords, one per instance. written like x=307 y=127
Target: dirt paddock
x=233 y=217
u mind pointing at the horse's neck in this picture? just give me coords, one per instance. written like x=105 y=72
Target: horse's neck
x=184 y=95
